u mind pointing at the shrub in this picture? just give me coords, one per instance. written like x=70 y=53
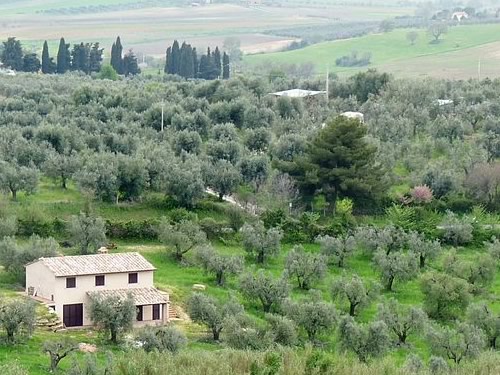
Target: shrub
x=354 y=59
x=162 y=339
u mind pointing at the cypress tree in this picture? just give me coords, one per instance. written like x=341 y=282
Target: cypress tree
x=63 y=57
x=168 y=61
x=202 y=73
x=176 y=58
x=45 y=59
x=95 y=58
x=12 y=54
x=116 y=56
x=195 y=63
x=216 y=58
x=186 y=62
x=225 y=66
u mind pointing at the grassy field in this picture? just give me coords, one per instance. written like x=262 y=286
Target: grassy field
x=455 y=56
x=150 y=29
x=178 y=280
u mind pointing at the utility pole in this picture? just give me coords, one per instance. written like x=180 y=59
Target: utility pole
x=327 y=83
x=162 y=116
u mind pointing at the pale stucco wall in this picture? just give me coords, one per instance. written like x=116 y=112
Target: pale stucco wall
x=42 y=279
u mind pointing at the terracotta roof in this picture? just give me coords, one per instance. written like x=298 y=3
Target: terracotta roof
x=97 y=264
x=141 y=296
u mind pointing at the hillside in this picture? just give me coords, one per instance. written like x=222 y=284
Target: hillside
x=455 y=56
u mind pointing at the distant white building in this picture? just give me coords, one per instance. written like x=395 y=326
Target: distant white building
x=298 y=93
x=458 y=16
x=355 y=115
x=441 y=102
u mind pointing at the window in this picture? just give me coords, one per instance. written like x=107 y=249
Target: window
x=132 y=278
x=99 y=280
x=139 y=314
x=71 y=282
x=156 y=312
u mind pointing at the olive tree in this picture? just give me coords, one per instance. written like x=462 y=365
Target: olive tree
x=401 y=320
x=426 y=250
x=481 y=316
x=261 y=242
x=396 y=266
x=313 y=315
x=208 y=311
x=58 y=350
x=15 y=178
x=179 y=238
x=445 y=296
x=113 y=314
x=306 y=268
x=365 y=340
x=354 y=291
x=15 y=255
x=61 y=167
x=282 y=329
x=17 y=316
x=337 y=249
x=87 y=232
x=218 y=264
x=223 y=178
x=464 y=341
x=263 y=287
x=479 y=273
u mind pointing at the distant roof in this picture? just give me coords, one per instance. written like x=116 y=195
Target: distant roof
x=97 y=264
x=441 y=102
x=141 y=296
x=297 y=93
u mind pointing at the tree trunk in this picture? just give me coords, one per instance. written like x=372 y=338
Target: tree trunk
x=64 y=183
x=266 y=306
x=216 y=334
x=389 y=283
x=14 y=194
x=113 y=336
x=422 y=261
x=260 y=257
x=402 y=338
x=219 y=278
x=221 y=197
x=352 y=309
x=493 y=342
x=54 y=362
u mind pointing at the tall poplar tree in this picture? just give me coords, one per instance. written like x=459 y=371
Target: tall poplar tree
x=186 y=67
x=130 y=65
x=168 y=61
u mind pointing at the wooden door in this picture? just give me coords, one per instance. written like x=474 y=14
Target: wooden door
x=73 y=315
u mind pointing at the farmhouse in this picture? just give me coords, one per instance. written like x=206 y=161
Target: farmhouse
x=65 y=283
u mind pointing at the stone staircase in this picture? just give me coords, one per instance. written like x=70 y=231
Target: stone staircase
x=47 y=319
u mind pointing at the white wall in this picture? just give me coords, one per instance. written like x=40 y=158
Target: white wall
x=42 y=279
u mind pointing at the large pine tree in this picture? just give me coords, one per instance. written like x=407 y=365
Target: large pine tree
x=339 y=162
x=12 y=54
x=63 y=57
x=130 y=65
x=226 y=72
